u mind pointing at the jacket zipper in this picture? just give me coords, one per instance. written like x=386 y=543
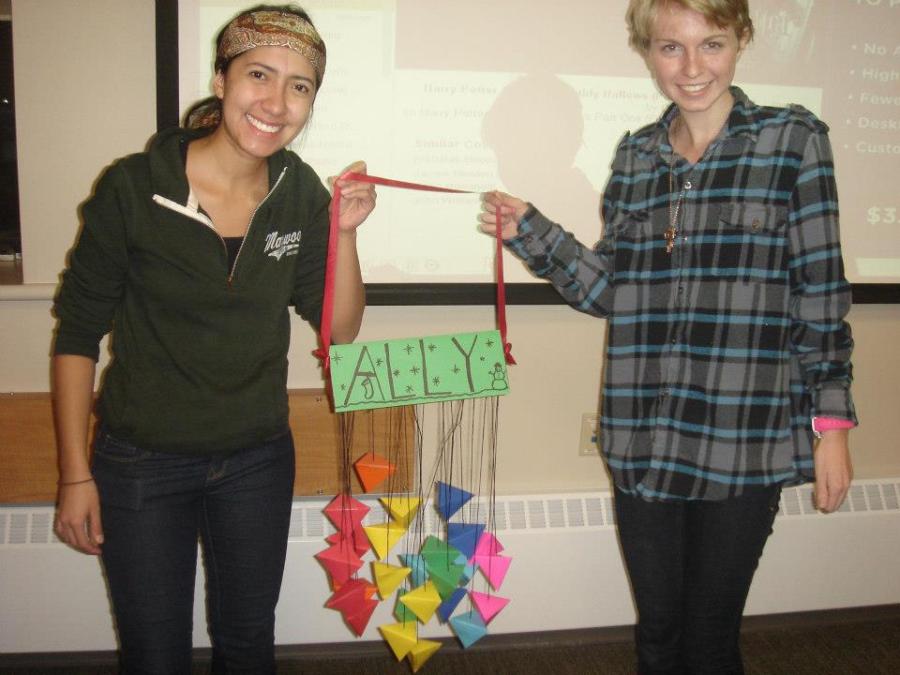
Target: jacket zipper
x=250 y=224
x=192 y=211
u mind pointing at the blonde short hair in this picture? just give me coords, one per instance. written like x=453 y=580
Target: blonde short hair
x=722 y=13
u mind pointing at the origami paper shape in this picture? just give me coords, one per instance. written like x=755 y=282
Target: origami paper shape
x=450 y=499
x=464 y=536
x=351 y=595
x=469 y=628
x=434 y=548
x=355 y=538
x=383 y=537
x=402 y=509
x=359 y=619
x=388 y=577
x=403 y=613
x=416 y=563
x=340 y=561
x=468 y=568
x=372 y=470
x=488 y=545
x=344 y=511
x=447 y=607
x=423 y=601
x=488 y=605
x=494 y=568
x=421 y=652
x=401 y=637
x=444 y=574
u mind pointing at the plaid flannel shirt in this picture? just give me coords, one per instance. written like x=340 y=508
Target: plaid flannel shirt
x=720 y=352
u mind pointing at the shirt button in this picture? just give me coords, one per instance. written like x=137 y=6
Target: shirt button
x=688 y=185
x=755 y=225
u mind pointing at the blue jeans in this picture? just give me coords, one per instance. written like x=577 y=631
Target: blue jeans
x=153 y=508
x=690 y=564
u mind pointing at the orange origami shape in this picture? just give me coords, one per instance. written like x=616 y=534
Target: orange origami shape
x=372 y=470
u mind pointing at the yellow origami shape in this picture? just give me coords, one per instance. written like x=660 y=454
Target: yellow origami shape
x=400 y=636
x=388 y=577
x=421 y=652
x=383 y=537
x=402 y=509
x=422 y=601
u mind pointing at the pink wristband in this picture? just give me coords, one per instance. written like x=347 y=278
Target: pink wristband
x=820 y=424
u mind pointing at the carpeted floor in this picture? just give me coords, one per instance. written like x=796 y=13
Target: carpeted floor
x=859 y=646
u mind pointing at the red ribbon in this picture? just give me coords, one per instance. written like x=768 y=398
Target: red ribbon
x=331 y=262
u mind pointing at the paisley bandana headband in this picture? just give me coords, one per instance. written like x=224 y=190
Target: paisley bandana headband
x=274 y=29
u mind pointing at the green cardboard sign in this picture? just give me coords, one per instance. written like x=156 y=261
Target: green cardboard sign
x=387 y=373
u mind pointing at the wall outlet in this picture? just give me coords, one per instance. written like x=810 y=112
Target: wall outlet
x=589 y=440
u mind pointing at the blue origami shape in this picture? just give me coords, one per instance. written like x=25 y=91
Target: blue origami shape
x=446 y=608
x=416 y=564
x=469 y=628
x=450 y=499
x=464 y=536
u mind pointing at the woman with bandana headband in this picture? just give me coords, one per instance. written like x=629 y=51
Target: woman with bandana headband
x=193 y=252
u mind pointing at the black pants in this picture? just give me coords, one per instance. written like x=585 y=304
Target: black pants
x=690 y=564
x=154 y=507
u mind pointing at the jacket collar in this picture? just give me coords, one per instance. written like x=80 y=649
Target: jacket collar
x=167 y=172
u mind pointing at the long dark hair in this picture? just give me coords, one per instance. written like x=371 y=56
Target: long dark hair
x=206 y=113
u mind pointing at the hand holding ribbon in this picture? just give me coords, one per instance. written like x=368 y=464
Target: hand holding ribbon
x=347 y=186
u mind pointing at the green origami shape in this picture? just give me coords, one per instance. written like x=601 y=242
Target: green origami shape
x=385 y=373
x=445 y=577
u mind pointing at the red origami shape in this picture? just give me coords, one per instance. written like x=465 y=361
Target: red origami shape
x=344 y=511
x=357 y=539
x=359 y=619
x=349 y=596
x=372 y=470
x=340 y=561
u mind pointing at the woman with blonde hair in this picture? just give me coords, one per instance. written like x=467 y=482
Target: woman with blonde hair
x=728 y=357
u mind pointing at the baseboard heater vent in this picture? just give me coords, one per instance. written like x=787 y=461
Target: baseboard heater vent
x=33 y=525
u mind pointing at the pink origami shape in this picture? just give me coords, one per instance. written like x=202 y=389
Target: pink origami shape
x=488 y=605
x=340 y=561
x=488 y=545
x=344 y=511
x=494 y=568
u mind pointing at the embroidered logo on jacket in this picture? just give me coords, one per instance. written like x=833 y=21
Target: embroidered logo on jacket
x=281 y=245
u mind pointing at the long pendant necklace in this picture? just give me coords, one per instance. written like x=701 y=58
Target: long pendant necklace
x=674 y=209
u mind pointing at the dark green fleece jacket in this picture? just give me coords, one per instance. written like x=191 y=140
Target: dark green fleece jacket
x=199 y=355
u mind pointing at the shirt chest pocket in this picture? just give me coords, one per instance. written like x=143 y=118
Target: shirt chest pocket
x=747 y=242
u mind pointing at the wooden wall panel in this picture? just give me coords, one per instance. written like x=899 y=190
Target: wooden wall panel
x=28 y=445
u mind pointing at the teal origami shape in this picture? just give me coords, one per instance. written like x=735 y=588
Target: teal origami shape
x=448 y=606
x=464 y=536
x=416 y=564
x=450 y=499
x=469 y=628
x=469 y=569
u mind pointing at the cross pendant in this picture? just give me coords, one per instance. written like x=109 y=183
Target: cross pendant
x=670 y=238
